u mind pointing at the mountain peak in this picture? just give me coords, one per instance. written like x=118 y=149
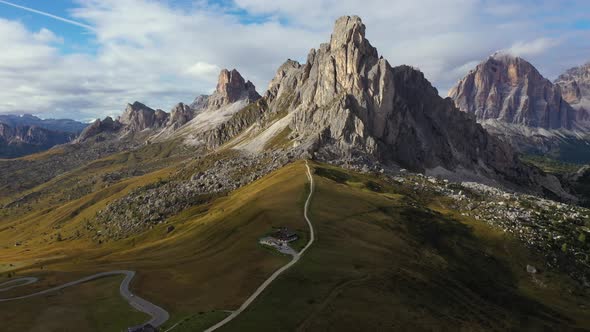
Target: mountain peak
x=348 y=104
x=346 y=29
x=575 y=87
x=349 y=33
x=508 y=88
x=229 y=80
x=503 y=56
x=231 y=87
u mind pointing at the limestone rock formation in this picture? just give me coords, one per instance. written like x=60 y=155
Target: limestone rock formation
x=217 y=118
x=179 y=115
x=348 y=102
x=208 y=120
x=108 y=125
x=509 y=89
x=575 y=88
x=231 y=88
x=138 y=117
x=200 y=102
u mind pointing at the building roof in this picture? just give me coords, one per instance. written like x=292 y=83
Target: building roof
x=284 y=234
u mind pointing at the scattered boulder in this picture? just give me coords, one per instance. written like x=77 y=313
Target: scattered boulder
x=531 y=269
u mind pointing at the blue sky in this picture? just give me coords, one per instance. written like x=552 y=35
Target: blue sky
x=164 y=52
x=75 y=38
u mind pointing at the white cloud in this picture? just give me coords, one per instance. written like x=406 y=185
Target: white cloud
x=159 y=53
x=47 y=36
x=533 y=47
x=203 y=69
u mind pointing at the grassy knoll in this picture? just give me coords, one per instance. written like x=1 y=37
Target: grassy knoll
x=384 y=261
x=93 y=306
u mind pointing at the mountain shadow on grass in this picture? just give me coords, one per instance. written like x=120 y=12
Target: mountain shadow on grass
x=471 y=271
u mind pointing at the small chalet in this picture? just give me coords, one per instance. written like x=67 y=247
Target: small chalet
x=285 y=235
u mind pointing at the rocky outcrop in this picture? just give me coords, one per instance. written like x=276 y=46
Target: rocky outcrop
x=349 y=104
x=575 y=88
x=509 y=89
x=179 y=115
x=200 y=102
x=217 y=118
x=108 y=125
x=22 y=140
x=147 y=206
x=231 y=88
x=138 y=117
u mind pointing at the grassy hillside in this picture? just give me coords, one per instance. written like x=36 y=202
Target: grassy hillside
x=386 y=258
x=386 y=261
x=94 y=306
x=211 y=260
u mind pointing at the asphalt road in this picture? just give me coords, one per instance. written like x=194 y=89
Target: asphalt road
x=295 y=259
x=19 y=282
x=158 y=315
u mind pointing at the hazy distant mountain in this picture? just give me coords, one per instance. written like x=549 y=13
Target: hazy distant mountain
x=575 y=87
x=23 y=140
x=512 y=100
x=21 y=135
x=511 y=90
x=65 y=125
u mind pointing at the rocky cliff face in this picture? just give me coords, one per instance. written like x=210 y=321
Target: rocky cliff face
x=509 y=89
x=138 y=117
x=108 y=125
x=575 y=87
x=348 y=102
x=22 y=140
x=179 y=115
x=231 y=88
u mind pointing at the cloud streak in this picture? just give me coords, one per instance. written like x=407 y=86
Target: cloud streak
x=59 y=18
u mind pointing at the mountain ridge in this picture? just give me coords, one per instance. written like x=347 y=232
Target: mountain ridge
x=348 y=103
x=23 y=140
x=510 y=89
x=575 y=84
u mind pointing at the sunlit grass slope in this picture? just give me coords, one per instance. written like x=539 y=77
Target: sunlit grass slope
x=210 y=262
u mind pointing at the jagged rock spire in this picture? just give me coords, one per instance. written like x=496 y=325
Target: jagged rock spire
x=348 y=103
x=231 y=87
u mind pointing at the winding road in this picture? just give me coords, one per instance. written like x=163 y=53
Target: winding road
x=158 y=315
x=277 y=273
x=19 y=283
